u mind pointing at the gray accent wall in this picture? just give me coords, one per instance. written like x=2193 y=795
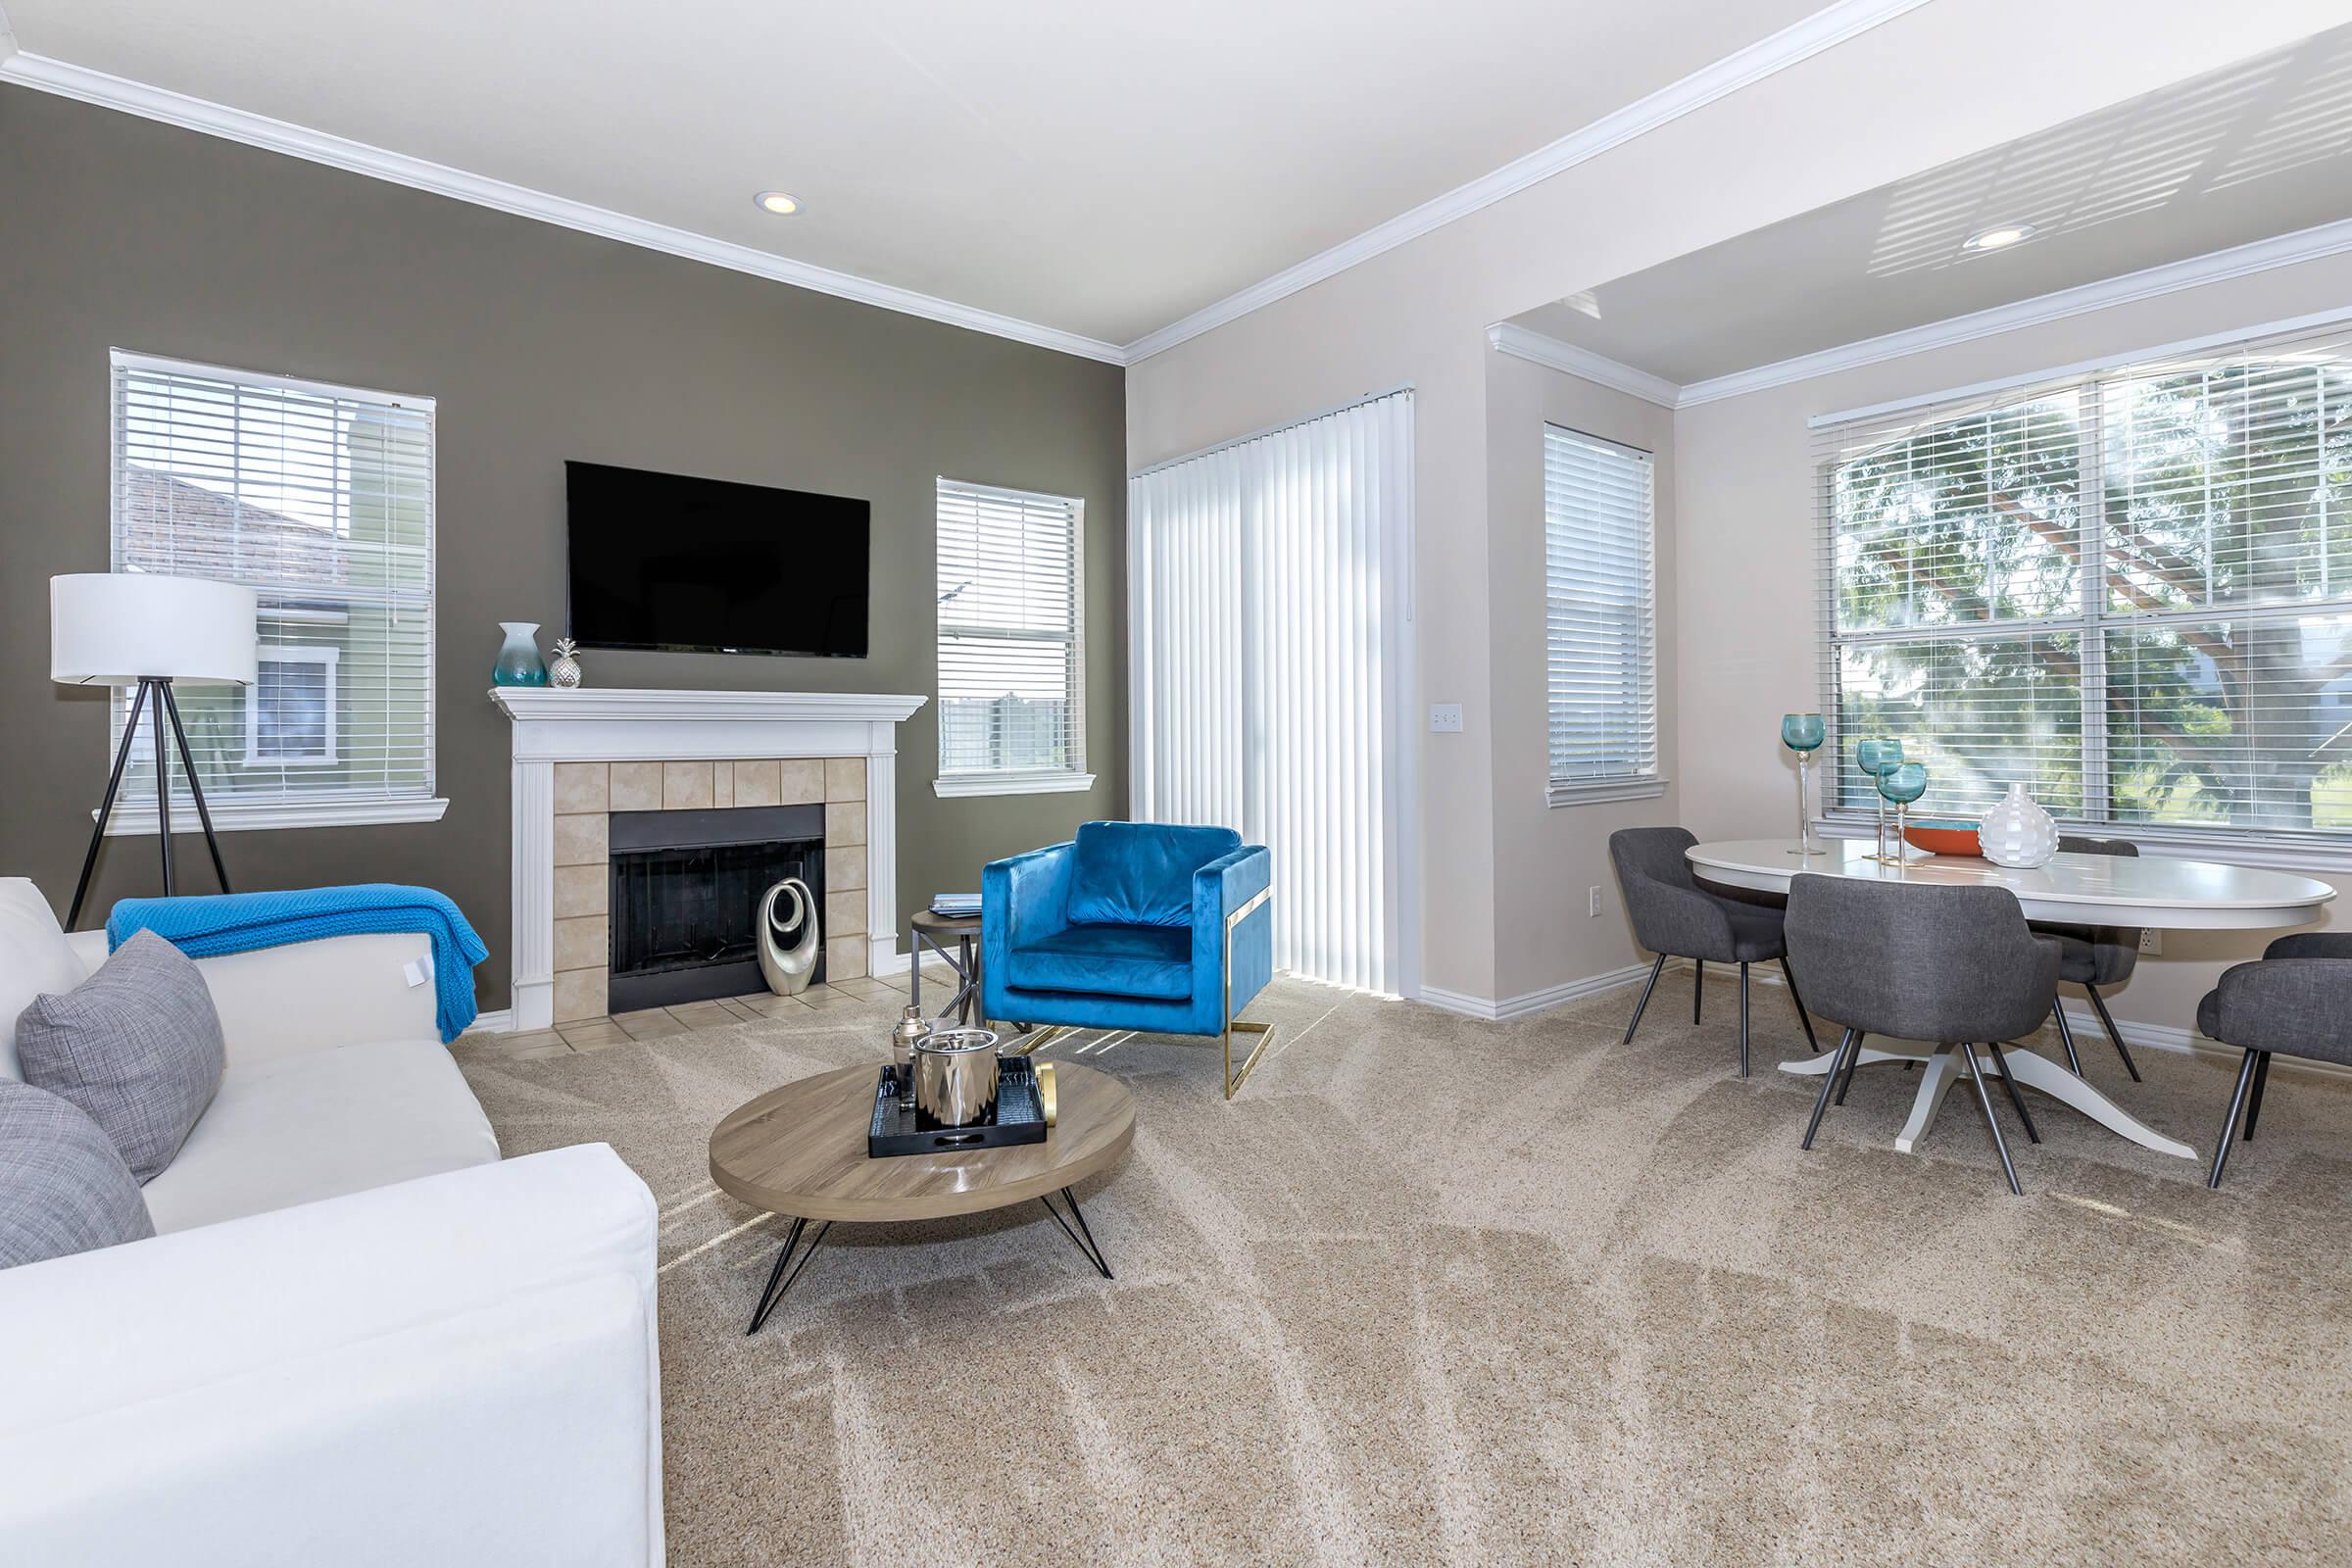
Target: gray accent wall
x=540 y=344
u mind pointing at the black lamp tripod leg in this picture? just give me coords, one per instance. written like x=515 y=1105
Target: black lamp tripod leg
x=163 y=784
x=106 y=807
x=187 y=763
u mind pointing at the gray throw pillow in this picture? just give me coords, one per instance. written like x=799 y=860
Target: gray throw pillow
x=62 y=1186
x=137 y=1045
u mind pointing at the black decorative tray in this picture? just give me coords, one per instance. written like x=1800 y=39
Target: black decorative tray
x=1017 y=1117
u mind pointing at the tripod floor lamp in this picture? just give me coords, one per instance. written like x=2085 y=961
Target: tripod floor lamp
x=139 y=630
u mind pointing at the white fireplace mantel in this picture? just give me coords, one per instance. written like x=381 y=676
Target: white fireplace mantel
x=605 y=725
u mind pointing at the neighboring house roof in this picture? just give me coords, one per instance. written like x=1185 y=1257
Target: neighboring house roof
x=158 y=511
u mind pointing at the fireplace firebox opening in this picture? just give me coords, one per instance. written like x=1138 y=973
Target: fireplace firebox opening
x=685 y=898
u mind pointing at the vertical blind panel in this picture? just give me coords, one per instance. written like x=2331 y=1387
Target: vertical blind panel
x=1599 y=593
x=2129 y=591
x=1262 y=630
x=1012 y=659
x=321 y=501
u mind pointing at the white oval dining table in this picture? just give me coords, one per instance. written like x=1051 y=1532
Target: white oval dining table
x=2082 y=889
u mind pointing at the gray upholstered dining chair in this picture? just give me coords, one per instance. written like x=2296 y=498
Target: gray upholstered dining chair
x=2297 y=998
x=1956 y=965
x=1675 y=917
x=2094 y=956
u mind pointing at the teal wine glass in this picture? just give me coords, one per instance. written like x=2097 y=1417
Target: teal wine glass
x=1803 y=733
x=1902 y=783
x=1871 y=756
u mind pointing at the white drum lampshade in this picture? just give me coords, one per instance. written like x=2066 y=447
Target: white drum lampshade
x=115 y=628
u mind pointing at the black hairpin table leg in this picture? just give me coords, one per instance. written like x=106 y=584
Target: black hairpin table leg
x=778 y=1282
x=1082 y=1236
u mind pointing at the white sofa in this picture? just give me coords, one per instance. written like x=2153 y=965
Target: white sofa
x=359 y=1337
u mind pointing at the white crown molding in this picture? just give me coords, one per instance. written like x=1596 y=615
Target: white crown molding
x=2215 y=267
x=1549 y=351
x=1792 y=45
x=89 y=86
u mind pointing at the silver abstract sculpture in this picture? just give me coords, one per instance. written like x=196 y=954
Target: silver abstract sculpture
x=789 y=969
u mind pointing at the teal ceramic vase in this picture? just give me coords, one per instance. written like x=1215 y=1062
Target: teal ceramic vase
x=518 y=662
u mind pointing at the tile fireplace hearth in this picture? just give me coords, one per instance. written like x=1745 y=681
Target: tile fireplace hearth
x=721 y=764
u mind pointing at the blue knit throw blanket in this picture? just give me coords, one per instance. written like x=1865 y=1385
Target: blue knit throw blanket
x=209 y=926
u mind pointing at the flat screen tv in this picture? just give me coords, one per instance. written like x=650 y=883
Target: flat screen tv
x=663 y=560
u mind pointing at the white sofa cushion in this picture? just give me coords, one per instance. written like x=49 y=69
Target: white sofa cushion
x=454 y=1371
x=296 y=1129
x=34 y=957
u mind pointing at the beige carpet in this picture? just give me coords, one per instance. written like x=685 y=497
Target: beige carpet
x=1434 y=1291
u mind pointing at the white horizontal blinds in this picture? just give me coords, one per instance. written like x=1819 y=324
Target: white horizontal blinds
x=1600 y=627
x=1264 y=624
x=1012 y=656
x=1953 y=547
x=2128 y=591
x=2226 y=622
x=319 y=498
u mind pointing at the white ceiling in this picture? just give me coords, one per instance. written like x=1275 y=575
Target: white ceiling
x=2256 y=149
x=1103 y=169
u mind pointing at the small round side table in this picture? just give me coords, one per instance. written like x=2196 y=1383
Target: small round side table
x=935 y=931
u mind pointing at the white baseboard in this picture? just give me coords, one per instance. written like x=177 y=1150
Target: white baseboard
x=501 y=1023
x=1493 y=1009
x=2089 y=1033
x=2092 y=1038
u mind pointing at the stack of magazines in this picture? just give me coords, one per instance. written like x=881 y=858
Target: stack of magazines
x=955 y=905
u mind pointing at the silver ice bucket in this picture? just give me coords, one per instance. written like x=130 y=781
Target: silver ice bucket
x=955 y=1075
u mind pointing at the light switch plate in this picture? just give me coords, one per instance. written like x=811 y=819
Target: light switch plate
x=1444 y=718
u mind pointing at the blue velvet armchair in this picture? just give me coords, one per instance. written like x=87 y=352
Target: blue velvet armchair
x=1132 y=925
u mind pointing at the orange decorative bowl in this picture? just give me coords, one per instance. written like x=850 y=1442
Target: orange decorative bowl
x=1943 y=837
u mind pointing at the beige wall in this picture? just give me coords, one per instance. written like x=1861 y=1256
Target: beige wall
x=1543 y=934
x=1751 y=630
x=1934 y=85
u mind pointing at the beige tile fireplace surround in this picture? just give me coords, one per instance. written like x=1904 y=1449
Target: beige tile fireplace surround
x=588 y=793
x=580 y=756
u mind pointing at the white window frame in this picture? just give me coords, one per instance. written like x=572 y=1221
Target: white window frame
x=2087 y=380
x=1648 y=781
x=1031 y=781
x=292 y=809
x=330 y=661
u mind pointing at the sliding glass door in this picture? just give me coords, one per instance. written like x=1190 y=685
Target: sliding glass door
x=1270 y=662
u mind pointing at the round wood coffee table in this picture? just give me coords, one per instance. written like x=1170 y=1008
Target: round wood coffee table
x=801 y=1151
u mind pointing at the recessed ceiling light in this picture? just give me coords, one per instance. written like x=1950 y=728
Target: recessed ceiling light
x=778 y=203
x=2001 y=237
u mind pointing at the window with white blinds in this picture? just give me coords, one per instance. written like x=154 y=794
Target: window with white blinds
x=2128 y=590
x=1599 y=619
x=319 y=498
x=1012 y=642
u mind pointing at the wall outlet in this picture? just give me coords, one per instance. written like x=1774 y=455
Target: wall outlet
x=1444 y=718
x=2152 y=939
x=1592 y=900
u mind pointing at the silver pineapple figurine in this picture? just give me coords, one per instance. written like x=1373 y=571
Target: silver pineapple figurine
x=565 y=670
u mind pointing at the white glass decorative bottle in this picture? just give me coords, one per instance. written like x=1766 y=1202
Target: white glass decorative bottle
x=2016 y=832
